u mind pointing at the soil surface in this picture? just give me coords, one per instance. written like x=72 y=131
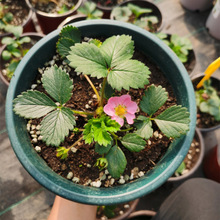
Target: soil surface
x=19 y=9
x=79 y=166
x=53 y=6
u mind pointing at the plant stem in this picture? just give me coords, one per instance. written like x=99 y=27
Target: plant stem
x=82 y=113
x=93 y=87
x=73 y=145
x=102 y=92
x=128 y=129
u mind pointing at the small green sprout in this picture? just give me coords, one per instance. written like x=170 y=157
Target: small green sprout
x=180 y=169
x=14 y=51
x=89 y=9
x=208 y=100
x=179 y=45
x=136 y=15
x=6 y=18
x=110 y=126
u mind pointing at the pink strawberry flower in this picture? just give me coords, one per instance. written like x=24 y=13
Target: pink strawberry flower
x=121 y=107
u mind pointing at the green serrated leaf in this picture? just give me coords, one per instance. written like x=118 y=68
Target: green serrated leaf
x=87 y=58
x=116 y=161
x=117 y=49
x=153 y=99
x=102 y=136
x=68 y=36
x=129 y=73
x=144 y=127
x=56 y=125
x=33 y=104
x=133 y=142
x=97 y=42
x=58 y=84
x=71 y=32
x=100 y=149
x=174 y=121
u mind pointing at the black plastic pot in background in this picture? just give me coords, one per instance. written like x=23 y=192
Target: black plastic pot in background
x=49 y=22
x=145 y=4
x=142 y=215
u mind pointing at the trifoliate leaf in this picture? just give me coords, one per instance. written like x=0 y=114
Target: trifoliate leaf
x=133 y=142
x=153 y=99
x=116 y=161
x=58 y=84
x=116 y=49
x=129 y=73
x=33 y=104
x=174 y=121
x=87 y=58
x=144 y=127
x=56 y=125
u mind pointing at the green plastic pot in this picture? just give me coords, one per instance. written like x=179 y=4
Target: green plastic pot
x=36 y=166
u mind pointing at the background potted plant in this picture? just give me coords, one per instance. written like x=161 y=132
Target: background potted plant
x=50 y=13
x=141 y=13
x=192 y=161
x=107 y=6
x=207 y=100
x=15 y=13
x=88 y=194
x=87 y=11
x=13 y=50
x=182 y=47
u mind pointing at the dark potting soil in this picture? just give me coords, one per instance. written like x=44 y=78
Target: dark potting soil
x=79 y=166
x=19 y=9
x=54 y=6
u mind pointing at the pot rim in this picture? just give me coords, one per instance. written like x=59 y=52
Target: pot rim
x=90 y=195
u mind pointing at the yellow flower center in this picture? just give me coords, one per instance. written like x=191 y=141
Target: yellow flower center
x=120 y=111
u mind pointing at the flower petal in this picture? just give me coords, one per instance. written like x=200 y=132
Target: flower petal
x=130 y=105
x=130 y=118
x=109 y=110
x=118 y=119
